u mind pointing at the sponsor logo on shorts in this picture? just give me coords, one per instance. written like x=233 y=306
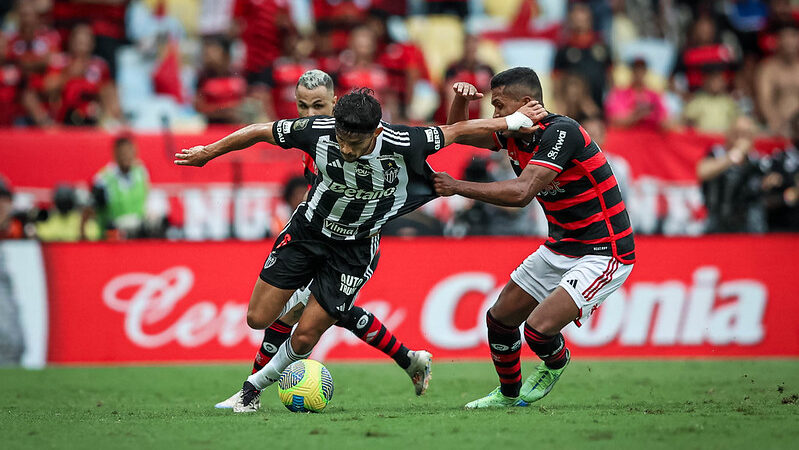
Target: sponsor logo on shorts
x=572 y=283
x=339 y=229
x=270 y=261
x=350 y=284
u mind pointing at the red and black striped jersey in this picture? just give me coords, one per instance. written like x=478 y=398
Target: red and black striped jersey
x=583 y=204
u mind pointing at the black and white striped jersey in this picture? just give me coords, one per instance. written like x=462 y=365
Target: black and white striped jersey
x=353 y=200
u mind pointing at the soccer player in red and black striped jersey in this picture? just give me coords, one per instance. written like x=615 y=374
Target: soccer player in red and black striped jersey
x=590 y=250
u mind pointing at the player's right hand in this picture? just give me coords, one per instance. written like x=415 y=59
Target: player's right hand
x=467 y=91
x=196 y=156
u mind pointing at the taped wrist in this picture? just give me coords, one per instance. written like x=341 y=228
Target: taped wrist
x=517 y=120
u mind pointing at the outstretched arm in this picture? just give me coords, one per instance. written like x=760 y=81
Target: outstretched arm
x=246 y=137
x=522 y=120
x=515 y=192
x=463 y=94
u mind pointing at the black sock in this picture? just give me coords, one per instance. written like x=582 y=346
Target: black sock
x=369 y=329
x=505 y=344
x=551 y=349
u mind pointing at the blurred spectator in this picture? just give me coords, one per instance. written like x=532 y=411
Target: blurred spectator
x=459 y=8
x=622 y=29
x=67 y=221
x=359 y=68
x=33 y=44
x=636 y=105
x=713 y=109
x=407 y=71
x=294 y=193
x=583 y=52
x=747 y=18
x=285 y=72
x=261 y=24
x=334 y=21
x=574 y=99
x=10 y=87
x=781 y=184
x=216 y=17
x=220 y=91
x=470 y=70
x=414 y=224
x=120 y=191
x=106 y=19
x=780 y=14
x=703 y=49
x=778 y=82
x=731 y=183
x=480 y=218
x=11 y=227
x=81 y=85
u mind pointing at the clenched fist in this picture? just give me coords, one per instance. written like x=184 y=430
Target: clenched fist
x=444 y=184
x=467 y=91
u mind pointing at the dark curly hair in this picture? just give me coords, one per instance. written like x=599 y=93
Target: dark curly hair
x=358 y=112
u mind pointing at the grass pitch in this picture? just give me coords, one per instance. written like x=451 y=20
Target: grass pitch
x=609 y=404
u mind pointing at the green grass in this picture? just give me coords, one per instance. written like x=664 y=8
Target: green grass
x=609 y=404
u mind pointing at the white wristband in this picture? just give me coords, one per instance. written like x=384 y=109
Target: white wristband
x=518 y=120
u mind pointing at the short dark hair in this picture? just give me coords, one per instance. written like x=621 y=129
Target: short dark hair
x=121 y=140
x=292 y=185
x=358 y=112
x=218 y=40
x=520 y=81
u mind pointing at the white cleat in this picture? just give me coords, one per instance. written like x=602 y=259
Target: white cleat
x=249 y=399
x=420 y=369
x=229 y=403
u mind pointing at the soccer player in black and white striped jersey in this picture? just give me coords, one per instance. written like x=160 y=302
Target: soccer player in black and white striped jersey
x=368 y=173
x=315 y=95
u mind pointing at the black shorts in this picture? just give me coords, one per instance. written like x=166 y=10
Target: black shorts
x=336 y=270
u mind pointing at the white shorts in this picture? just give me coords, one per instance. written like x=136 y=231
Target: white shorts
x=589 y=280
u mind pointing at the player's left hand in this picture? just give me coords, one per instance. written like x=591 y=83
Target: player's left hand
x=534 y=110
x=444 y=184
x=196 y=156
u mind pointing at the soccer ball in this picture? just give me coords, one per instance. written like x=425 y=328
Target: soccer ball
x=305 y=386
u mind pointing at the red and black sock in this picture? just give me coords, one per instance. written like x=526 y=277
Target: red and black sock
x=551 y=349
x=274 y=337
x=506 y=347
x=369 y=329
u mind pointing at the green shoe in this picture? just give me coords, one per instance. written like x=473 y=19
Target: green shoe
x=538 y=385
x=495 y=400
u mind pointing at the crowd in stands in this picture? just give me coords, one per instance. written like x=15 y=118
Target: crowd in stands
x=715 y=67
